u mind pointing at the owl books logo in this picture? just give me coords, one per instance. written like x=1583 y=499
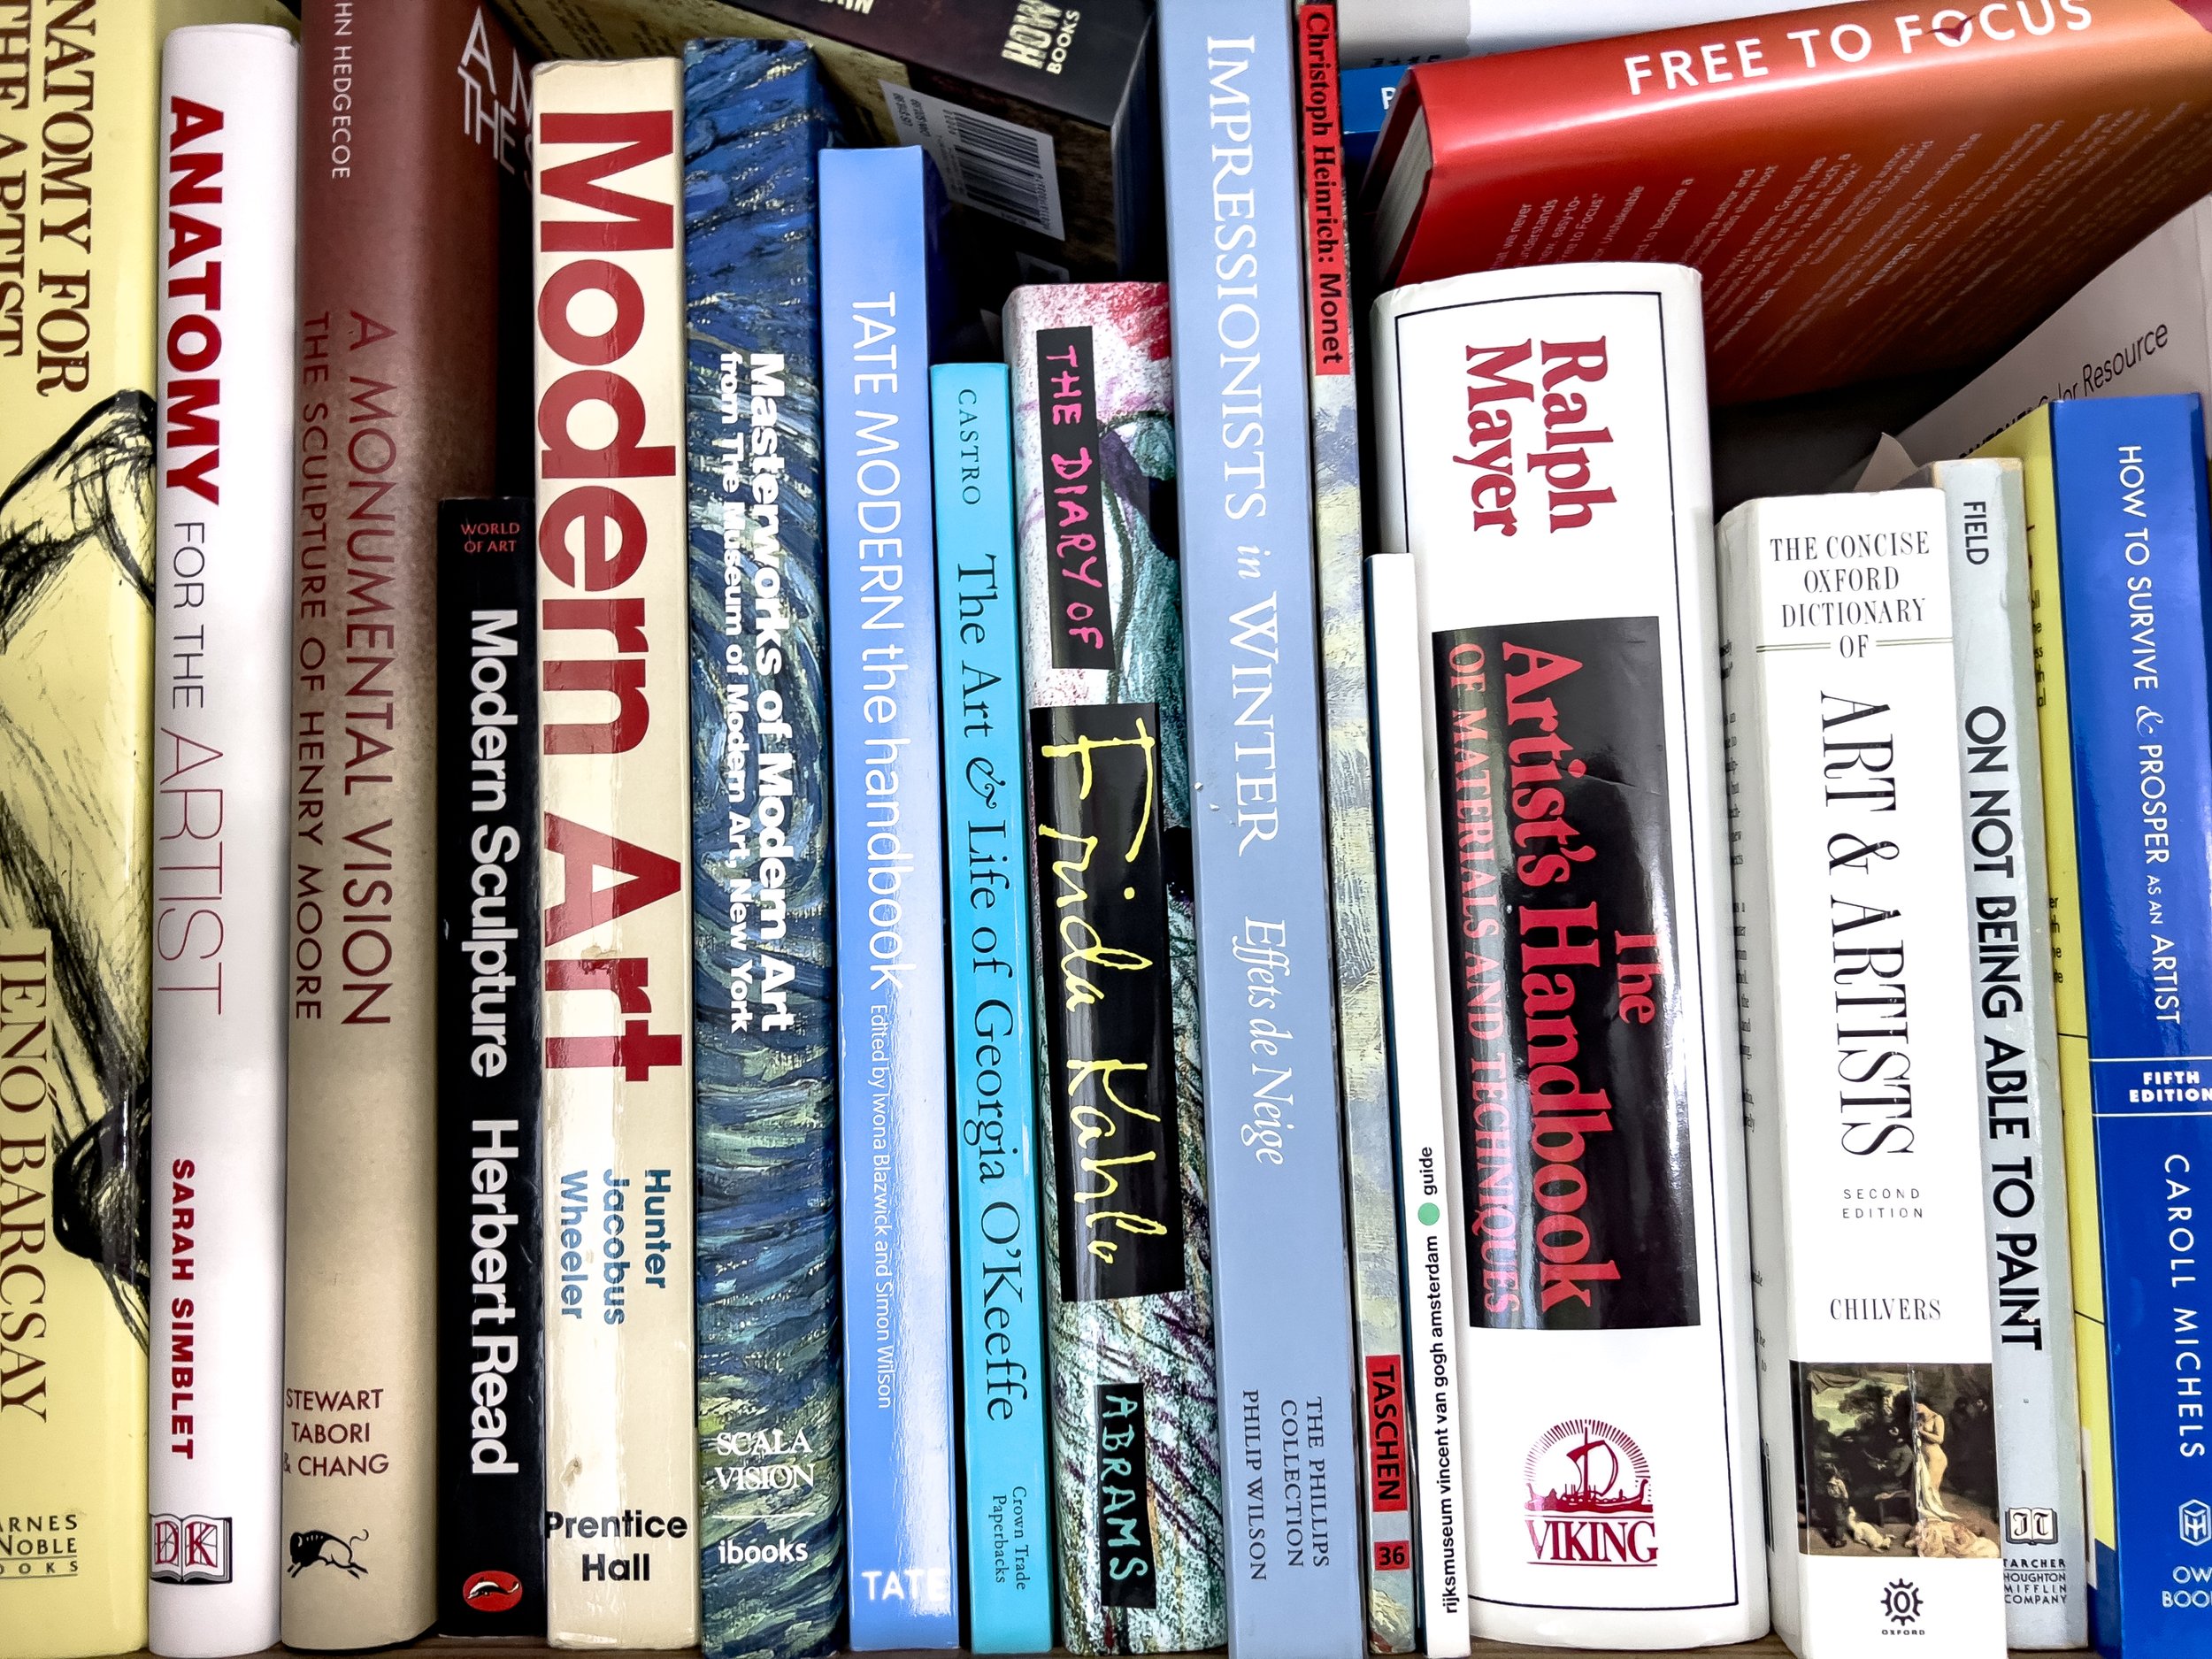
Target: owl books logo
x=1589 y=1498
x=191 y=1549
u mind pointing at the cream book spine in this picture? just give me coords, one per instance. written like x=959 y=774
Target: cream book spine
x=622 y=1559
x=1543 y=458
x=1861 y=1081
x=221 y=834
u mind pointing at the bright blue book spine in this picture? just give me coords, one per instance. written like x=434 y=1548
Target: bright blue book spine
x=2135 y=572
x=770 y=1417
x=878 y=248
x=1004 y=1475
x=1266 y=1012
x=1367 y=96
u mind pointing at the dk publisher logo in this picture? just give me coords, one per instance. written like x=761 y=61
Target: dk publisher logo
x=191 y=1549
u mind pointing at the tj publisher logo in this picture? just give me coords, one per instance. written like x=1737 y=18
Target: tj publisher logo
x=2030 y=1527
x=2196 y=1521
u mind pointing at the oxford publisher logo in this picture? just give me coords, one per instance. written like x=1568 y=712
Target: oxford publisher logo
x=191 y=1549
x=2196 y=1521
x=2025 y=1525
x=1900 y=1602
x=1589 y=1498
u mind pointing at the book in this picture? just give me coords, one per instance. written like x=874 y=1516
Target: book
x=77 y=573
x=2135 y=569
x=222 y=467
x=491 y=1079
x=2028 y=441
x=1871 y=1277
x=1425 y=1109
x=2023 y=1170
x=770 y=1423
x=2139 y=328
x=1365 y=97
x=1541 y=460
x=1004 y=1479
x=1393 y=32
x=1038 y=117
x=1283 y=1322
x=883 y=309
x=1798 y=160
x=1371 y=1163
x=401 y=391
x=621 y=1500
x=1136 y=1424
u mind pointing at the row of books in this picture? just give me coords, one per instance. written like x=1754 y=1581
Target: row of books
x=894 y=1025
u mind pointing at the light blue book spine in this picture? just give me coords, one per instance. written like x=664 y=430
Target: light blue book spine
x=2135 y=572
x=887 y=872
x=1283 y=1324
x=1008 y=1485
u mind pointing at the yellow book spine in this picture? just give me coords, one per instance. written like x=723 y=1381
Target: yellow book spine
x=78 y=88
x=2028 y=441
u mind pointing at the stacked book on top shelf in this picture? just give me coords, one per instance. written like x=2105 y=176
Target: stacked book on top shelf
x=759 y=892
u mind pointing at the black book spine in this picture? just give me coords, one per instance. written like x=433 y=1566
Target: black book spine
x=491 y=1354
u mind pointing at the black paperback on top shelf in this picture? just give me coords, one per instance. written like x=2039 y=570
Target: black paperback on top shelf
x=491 y=1363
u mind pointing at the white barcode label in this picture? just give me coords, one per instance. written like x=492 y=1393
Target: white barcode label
x=995 y=166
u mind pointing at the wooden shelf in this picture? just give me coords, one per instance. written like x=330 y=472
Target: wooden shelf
x=510 y=1647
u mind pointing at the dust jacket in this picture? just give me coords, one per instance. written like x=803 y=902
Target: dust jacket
x=1543 y=459
x=1861 y=1074
x=621 y=1500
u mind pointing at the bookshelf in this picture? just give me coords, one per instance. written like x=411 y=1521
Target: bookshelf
x=499 y=1648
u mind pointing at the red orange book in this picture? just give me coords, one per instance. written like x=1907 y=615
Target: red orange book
x=1869 y=190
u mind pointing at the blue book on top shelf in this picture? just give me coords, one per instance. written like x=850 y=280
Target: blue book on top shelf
x=1283 y=1329
x=882 y=302
x=994 y=1077
x=2135 y=573
x=770 y=1416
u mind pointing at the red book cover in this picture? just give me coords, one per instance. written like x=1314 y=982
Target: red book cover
x=1869 y=190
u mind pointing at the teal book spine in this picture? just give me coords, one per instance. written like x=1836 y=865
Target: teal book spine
x=1003 y=1473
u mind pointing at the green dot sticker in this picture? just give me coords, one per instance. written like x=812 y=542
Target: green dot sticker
x=1428 y=1214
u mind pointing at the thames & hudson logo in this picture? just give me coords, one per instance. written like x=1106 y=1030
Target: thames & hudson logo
x=1589 y=1498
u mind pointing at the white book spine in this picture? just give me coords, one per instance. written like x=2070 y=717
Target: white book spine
x=1861 y=1080
x=221 y=827
x=1543 y=460
x=2023 y=1187
x=622 y=1548
x=2140 y=327
x=1428 y=1138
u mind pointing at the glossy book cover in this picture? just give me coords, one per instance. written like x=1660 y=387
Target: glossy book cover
x=1140 y=1537
x=770 y=1420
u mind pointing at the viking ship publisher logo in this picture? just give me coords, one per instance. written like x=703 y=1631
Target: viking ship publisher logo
x=1589 y=1498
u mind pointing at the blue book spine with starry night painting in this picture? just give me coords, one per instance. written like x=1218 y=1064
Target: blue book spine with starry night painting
x=994 y=1082
x=770 y=1413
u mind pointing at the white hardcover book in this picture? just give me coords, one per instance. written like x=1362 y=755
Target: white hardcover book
x=1427 y=1132
x=1861 y=1085
x=1418 y=31
x=2023 y=1155
x=622 y=1550
x=1543 y=460
x=221 y=834
x=2141 y=327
